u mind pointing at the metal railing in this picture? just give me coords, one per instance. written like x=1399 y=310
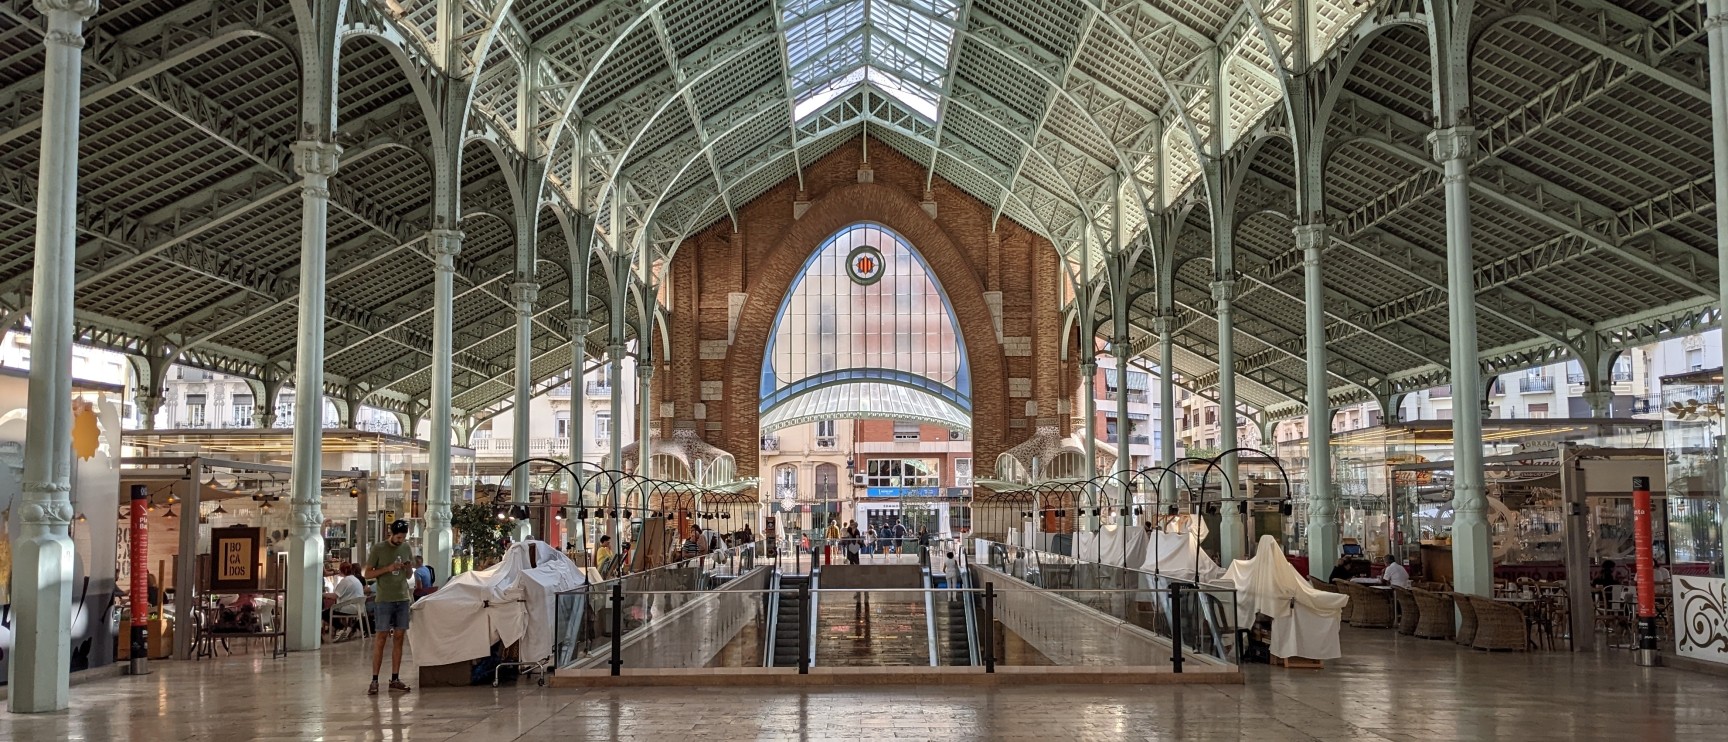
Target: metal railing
x=597 y=389
x=1536 y=384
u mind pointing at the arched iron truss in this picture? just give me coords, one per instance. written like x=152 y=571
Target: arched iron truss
x=601 y=134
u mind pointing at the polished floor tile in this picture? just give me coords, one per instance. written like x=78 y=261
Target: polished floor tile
x=1389 y=688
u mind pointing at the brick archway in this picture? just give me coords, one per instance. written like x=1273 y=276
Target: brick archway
x=831 y=212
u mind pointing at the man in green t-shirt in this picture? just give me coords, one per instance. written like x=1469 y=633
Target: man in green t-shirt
x=392 y=564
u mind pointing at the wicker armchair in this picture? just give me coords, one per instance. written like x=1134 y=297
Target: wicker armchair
x=1368 y=608
x=1499 y=626
x=1409 y=614
x=1466 y=619
x=1321 y=585
x=1438 y=619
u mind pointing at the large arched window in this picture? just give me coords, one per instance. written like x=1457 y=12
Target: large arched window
x=866 y=332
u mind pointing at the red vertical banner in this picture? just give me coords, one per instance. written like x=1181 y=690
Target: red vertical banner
x=1646 y=655
x=1644 y=548
x=140 y=522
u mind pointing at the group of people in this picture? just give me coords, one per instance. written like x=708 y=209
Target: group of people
x=853 y=541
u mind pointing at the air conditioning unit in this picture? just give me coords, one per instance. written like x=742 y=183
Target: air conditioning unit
x=955 y=435
x=858 y=480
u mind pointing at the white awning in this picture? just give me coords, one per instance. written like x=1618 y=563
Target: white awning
x=866 y=400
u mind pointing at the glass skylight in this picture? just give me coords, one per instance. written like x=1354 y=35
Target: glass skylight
x=898 y=47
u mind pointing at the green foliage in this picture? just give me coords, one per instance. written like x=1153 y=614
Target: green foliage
x=481 y=531
x=1203 y=453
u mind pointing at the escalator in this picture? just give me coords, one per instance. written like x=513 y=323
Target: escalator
x=787 y=617
x=959 y=634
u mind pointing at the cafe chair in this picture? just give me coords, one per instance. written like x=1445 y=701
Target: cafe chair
x=1409 y=612
x=1467 y=619
x=351 y=613
x=1499 y=626
x=1437 y=615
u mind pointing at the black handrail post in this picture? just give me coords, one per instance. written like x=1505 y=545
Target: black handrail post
x=1176 y=626
x=804 y=628
x=617 y=628
x=989 y=628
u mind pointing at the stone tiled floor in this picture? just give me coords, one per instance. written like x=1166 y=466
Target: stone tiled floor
x=1387 y=689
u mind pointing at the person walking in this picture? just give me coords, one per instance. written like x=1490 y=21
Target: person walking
x=924 y=546
x=390 y=564
x=829 y=538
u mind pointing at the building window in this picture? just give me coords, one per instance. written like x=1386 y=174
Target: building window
x=901 y=473
x=963 y=472
x=825 y=434
x=1695 y=359
x=904 y=431
x=194 y=411
x=563 y=425
x=827 y=482
x=786 y=482
x=241 y=411
x=483 y=431
x=1537 y=411
x=602 y=426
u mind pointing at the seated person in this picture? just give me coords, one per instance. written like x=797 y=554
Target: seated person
x=1395 y=574
x=1605 y=577
x=348 y=590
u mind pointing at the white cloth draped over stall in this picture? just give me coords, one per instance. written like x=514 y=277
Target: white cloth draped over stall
x=1305 y=621
x=1112 y=544
x=1175 y=553
x=511 y=602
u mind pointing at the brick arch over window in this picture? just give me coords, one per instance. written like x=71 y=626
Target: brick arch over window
x=829 y=213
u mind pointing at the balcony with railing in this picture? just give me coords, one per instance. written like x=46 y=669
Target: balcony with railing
x=826 y=441
x=771 y=443
x=1530 y=384
x=597 y=388
x=561 y=391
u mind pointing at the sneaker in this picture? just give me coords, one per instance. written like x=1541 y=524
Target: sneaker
x=397 y=686
x=372 y=690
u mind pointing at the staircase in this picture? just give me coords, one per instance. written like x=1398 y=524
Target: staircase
x=788 y=620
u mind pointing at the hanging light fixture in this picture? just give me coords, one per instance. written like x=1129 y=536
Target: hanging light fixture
x=559 y=516
x=219 y=510
x=170 y=514
x=582 y=514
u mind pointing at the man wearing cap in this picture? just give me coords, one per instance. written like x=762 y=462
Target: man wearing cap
x=391 y=563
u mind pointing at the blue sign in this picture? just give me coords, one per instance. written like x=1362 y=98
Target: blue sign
x=955 y=493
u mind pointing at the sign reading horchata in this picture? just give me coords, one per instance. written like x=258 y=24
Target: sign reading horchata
x=1701 y=618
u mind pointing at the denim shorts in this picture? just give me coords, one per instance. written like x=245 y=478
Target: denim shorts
x=389 y=616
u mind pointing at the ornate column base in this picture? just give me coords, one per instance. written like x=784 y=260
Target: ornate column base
x=42 y=601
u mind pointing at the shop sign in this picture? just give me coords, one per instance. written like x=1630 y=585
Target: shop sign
x=952 y=493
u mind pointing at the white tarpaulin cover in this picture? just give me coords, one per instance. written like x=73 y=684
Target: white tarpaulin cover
x=1305 y=621
x=1177 y=554
x=1107 y=545
x=508 y=603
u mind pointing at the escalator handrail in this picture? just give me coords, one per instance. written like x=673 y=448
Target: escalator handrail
x=773 y=621
x=972 y=653
x=810 y=620
x=929 y=615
